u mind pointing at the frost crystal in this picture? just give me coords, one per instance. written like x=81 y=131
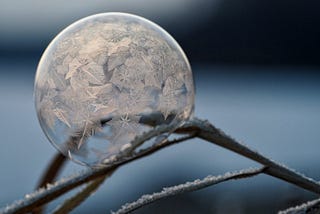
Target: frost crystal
x=105 y=80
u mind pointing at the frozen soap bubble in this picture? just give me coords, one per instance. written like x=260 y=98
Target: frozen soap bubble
x=106 y=79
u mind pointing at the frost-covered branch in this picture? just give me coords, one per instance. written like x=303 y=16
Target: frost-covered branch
x=311 y=207
x=53 y=170
x=53 y=191
x=208 y=132
x=187 y=187
x=82 y=195
x=74 y=201
x=192 y=128
x=50 y=174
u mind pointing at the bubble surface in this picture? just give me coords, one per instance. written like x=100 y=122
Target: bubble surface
x=106 y=79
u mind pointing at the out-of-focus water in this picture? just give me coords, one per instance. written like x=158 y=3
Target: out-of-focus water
x=275 y=111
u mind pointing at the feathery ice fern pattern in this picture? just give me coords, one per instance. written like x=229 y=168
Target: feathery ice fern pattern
x=107 y=79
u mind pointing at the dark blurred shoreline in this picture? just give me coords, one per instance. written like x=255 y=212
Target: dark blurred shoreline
x=249 y=32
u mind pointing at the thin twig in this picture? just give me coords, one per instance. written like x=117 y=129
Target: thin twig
x=50 y=174
x=73 y=202
x=209 y=133
x=53 y=170
x=311 y=207
x=203 y=130
x=187 y=187
x=43 y=196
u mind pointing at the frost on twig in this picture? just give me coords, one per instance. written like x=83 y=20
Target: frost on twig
x=74 y=201
x=45 y=195
x=157 y=132
x=187 y=187
x=311 y=207
x=211 y=134
x=50 y=174
x=192 y=128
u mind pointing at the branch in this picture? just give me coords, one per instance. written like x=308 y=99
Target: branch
x=193 y=127
x=43 y=196
x=311 y=207
x=187 y=187
x=71 y=203
x=54 y=168
x=210 y=133
x=49 y=176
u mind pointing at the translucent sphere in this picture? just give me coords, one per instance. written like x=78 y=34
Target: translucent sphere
x=106 y=79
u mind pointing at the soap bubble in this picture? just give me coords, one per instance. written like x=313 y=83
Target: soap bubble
x=106 y=79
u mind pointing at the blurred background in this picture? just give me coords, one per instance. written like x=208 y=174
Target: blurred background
x=256 y=69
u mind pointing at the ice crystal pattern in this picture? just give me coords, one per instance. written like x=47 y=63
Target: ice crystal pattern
x=106 y=79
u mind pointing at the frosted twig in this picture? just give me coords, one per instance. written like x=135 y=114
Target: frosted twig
x=311 y=207
x=155 y=132
x=71 y=203
x=158 y=130
x=53 y=170
x=187 y=187
x=43 y=196
x=50 y=175
x=77 y=199
x=208 y=132
x=194 y=127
